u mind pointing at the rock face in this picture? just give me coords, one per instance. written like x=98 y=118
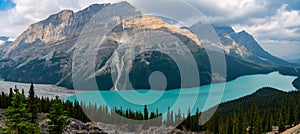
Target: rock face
x=75 y=127
x=79 y=127
x=45 y=48
x=242 y=45
x=44 y=52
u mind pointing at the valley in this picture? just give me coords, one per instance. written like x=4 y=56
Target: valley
x=48 y=46
x=119 y=68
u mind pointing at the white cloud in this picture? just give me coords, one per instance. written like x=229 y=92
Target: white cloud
x=284 y=23
x=273 y=23
x=230 y=11
x=16 y=20
x=282 y=48
x=279 y=33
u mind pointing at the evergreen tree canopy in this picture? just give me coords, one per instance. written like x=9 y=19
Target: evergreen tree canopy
x=58 y=118
x=17 y=118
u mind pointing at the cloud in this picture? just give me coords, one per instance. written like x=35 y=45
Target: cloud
x=278 y=32
x=282 y=48
x=14 y=21
x=275 y=24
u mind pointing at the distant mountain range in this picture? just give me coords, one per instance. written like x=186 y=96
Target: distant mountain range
x=244 y=46
x=43 y=53
x=4 y=42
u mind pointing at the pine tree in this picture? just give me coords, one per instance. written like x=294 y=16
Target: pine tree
x=297 y=110
x=146 y=114
x=280 y=122
x=58 y=118
x=16 y=116
x=235 y=124
x=23 y=93
x=32 y=105
x=10 y=96
x=178 y=117
x=290 y=114
x=168 y=119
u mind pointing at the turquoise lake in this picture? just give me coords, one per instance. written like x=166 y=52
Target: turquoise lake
x=203 y=97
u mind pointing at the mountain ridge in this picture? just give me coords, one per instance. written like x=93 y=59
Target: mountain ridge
x=43 y=53
x=244 y=46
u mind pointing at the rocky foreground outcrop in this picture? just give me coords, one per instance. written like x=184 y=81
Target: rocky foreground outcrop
x=75 y=127
x=79 y=127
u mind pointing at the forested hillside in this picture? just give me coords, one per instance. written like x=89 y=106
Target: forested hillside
x=256 y=113
x=260 y=112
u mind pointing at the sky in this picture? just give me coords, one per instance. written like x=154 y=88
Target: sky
x=275 y=24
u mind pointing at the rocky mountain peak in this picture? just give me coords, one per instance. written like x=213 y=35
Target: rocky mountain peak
x=243 y=45
x=48 y=46
x=224 y=30
x=154 y=23
x=65 y=25
x=65 y=14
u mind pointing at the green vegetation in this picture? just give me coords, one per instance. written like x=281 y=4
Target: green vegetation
x=17 y=118
x=31 y=105
x=22 y=108
x=256 y=113
x=58 y=118
x=21 y=114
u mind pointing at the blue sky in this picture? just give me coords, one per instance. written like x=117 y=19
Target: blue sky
x=6 y=4
x=275 y=24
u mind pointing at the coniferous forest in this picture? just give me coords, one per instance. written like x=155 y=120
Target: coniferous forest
x=266 y=110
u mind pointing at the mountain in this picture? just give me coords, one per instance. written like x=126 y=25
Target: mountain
x=242 y=45
x=255 y=113
x=44 y=52
x=4 y=42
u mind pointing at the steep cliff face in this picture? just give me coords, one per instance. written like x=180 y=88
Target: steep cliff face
x=244 y=46
x=47 y=35
x=44 y=52
x=153 y=34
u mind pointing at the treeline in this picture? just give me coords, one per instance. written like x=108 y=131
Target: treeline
x=21 y=114
x=264 y=111
x=80 y=111
x=43 y=104
x=257 y=113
